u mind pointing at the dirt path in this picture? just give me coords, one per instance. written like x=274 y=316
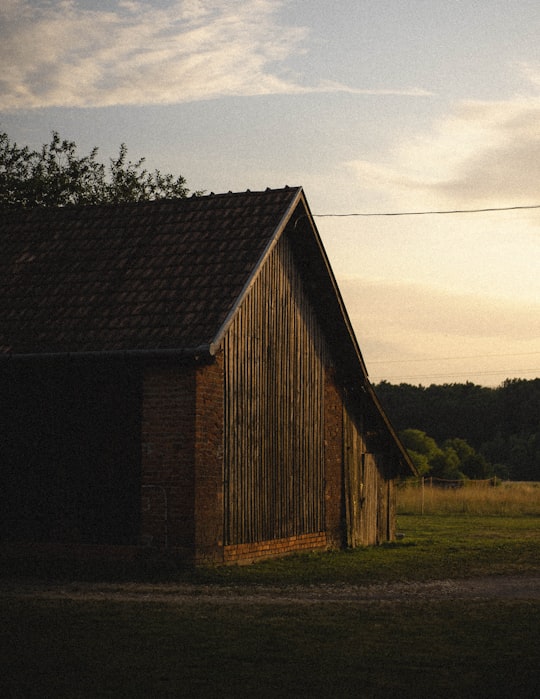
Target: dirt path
x=485 y=588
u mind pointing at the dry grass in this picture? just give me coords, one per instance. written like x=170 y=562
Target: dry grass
x=480 y=498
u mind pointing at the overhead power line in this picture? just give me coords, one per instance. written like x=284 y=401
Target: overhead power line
x=430 y=213
x=455 y=357
x=465 y=374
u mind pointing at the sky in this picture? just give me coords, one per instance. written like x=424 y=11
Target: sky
x=372 y=106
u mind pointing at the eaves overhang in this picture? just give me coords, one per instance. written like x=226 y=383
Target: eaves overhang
x=200 y=352
x=351 y=367
x=402 y=452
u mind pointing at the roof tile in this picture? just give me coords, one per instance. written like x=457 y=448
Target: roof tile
x=145 y=276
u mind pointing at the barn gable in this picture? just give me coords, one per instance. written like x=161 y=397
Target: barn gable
x=275 y=353
x=252 y=427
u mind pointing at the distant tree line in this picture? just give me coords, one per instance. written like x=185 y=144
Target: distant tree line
x=456 y=430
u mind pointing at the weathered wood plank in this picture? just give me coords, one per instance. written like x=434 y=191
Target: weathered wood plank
x=274 y=455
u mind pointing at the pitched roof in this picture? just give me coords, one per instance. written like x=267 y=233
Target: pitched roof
x=160 y=275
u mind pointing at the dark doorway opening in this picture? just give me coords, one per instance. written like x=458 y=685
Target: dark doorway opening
x=70 y=452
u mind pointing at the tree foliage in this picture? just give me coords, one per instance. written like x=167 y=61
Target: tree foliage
x=56 y=175
x=491 y=430
x=422 y=449
x=455 y=459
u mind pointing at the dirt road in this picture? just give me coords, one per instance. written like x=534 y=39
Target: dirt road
x=485 y=588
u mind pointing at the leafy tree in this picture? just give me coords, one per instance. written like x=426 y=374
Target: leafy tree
x=446 y=465
x=501 y=425
x=471 y=463
x=422 y=449
x=454 y=460
x=56 y=175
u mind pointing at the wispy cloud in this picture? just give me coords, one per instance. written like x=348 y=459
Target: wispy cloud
x=331 y=86
x=483 y=153
x=72 y=53
x=63 y=53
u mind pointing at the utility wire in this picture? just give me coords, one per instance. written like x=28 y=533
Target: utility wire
x=465 y=374
x=430 y=213
x=455 y=357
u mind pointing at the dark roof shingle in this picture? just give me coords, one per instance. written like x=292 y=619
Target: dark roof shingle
x=146 y=276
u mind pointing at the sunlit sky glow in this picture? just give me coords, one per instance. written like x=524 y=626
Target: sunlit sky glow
x=371 y=105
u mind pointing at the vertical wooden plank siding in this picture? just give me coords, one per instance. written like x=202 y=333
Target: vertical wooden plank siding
x=274 y=411
x=371 y=504
x=369 y=491
x=354 y=479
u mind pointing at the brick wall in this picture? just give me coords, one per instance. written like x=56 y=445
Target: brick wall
x=250 y=553
x=182 y=468
x=167 y=461
x=182 y=460
x=209 y=516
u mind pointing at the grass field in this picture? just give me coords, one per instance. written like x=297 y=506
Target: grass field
x=476 y=497
x=104 y=649
x=410 y=648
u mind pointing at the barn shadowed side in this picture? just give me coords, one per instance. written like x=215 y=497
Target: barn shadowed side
x=190 y=380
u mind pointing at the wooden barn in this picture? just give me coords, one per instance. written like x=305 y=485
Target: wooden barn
x=183 y=374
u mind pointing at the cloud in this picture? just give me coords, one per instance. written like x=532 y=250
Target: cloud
x=331 y=86
x=63 y=53
x=73 y=53
x=484 y=153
